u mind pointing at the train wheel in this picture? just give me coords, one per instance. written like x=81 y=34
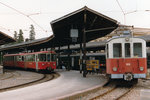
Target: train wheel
x=49 y=70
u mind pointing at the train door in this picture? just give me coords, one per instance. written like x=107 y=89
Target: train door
x=25 y=61
x=36 y=61
x=15 y=61
x=127 y=61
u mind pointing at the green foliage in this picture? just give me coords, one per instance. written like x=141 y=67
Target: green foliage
x=32 y=33
x=15 y=35
x=20 y=36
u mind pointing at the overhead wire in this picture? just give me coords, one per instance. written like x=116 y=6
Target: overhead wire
x=122 y=11
x=28 y=16
x=120 y=7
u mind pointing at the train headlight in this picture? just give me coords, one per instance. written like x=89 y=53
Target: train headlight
x=114 y=69
x=127 y=39
x=141 y=68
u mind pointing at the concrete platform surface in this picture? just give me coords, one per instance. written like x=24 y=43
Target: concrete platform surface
x=145 y=94
x=68 y=83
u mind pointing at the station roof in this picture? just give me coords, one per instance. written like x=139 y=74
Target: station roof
x=5 y=38
x=26 y=44
x=96 y=25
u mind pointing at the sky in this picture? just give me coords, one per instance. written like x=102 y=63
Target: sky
x=20 y=14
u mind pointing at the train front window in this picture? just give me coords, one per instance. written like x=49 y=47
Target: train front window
x=117 y=50
x=137 y=49
x=107 y=51
x=42 y=57
x=127 y=50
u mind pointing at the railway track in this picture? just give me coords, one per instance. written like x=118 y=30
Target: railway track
x=110 y=91
x=9 y=74
x=14 y=74
x=114 y=92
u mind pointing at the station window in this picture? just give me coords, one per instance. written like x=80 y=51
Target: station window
x=117 y=50
x=137 y=49
x=127 y=50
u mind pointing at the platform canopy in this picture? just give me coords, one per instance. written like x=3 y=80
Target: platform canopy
x=96 y=25
x=4 y=39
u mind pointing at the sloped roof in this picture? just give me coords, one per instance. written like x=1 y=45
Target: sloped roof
x=5 y=38
x=96 y=25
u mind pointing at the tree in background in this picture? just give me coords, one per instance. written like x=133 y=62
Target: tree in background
x=15 y=36
x=26 y=40
x=20 y=36
x=32 y=33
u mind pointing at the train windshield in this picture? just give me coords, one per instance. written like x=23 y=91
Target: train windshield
x=137 y=49
x=127 y=50
x=117 y=50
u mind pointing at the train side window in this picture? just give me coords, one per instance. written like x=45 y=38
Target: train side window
x=48 y=57
x=127 y=50
x=30 y=57
x=117 y=50
x=42 y=57
x=137 y=49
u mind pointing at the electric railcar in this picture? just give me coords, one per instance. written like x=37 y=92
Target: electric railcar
x=43 y=60
x=126 y=58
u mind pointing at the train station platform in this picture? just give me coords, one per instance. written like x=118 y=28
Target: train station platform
x=144 y=95
x=69 y=83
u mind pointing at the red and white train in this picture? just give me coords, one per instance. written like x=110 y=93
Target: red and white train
x=43 y=60
x=126 y=58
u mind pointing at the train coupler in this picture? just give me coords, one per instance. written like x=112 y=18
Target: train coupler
x=128 y=77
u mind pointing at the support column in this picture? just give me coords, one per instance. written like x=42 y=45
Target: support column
x=69 y=60
x=59 y=60
x=84 y=46
x=80 y=58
